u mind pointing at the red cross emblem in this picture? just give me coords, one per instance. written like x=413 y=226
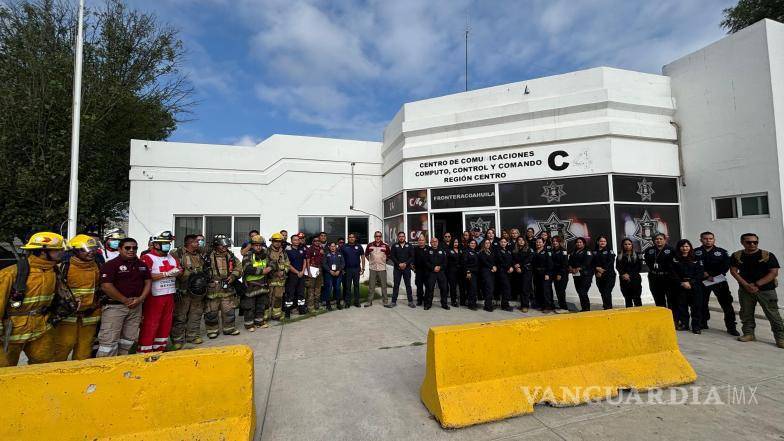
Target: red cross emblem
x=166 y=267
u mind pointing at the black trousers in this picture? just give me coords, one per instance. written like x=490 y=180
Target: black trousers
x=543 y=291
x=398 y=274
x=504 y=287
x=351 y=286
x=453 y=279
x=665 y=293
x=722 y=291
x=526 y=288
x=582 y=284
x=517 y=286
x=560 y=290
x=472 y=288
x=438 y=278
x=421 y=284
x=606 y=283
x=632 y=291
x=690 y=299
x=295 y=292
x=488 y=286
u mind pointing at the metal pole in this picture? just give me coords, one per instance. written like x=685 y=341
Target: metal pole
x=466 y=56
x=73 y=192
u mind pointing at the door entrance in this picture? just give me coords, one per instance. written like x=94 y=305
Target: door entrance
x=481 y=220
x=447 y=222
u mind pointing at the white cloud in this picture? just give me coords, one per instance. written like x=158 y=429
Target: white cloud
x=246 y=140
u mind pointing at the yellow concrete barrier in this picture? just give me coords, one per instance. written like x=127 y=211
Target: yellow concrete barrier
x=482 y=372
x=204 y=394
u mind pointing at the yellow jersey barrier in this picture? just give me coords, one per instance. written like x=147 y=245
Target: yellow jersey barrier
x=204 y=394
x=481 y=372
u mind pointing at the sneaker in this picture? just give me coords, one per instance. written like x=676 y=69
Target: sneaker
x=746 y=338
x=197 y=341
x=232 y=332
x=734 y=332
x=212 y=335
x=412 y=305
x=390 y=305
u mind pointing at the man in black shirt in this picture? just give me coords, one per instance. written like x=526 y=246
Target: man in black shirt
x=663 y=287
x=756 y=271
x=436 y=262
x=716 y=261
x=402 y=257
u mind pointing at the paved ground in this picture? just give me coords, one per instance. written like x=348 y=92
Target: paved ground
x=355 y=375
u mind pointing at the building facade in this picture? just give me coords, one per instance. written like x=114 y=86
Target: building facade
x=597 y=152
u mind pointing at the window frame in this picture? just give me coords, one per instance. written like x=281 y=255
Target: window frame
x=204 y=224
x=345 y=223
x=739 y=206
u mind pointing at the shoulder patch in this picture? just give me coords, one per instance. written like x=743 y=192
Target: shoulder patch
x=666 y=251
x=717 y=253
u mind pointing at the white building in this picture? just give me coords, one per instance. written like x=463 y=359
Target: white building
x=596 y=152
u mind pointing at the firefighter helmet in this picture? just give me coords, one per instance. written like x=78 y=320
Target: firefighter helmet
x=45 y=241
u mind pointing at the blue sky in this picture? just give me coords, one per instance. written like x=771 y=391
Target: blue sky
x=343 y=68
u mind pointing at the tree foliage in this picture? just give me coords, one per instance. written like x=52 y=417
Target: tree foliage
x=748 y=12
x=132 y=88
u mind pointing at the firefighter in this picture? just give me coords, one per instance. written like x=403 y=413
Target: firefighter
x=81 y=275
x=225 y=269
x=191 y=287
x=111 y=243
x=279 y=262
x=256 y=300
x=24 y=301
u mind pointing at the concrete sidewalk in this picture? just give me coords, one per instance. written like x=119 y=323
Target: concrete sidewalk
x=355 y=375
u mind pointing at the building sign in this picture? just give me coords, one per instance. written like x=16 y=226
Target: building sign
x=554 y=191
x=392 y=226
x=645 y=189
x=394 y=205
x=511 y=164
x=416 y=200
x=588 y=222
x=418 y=226
x=462 y=197
x=641 y=222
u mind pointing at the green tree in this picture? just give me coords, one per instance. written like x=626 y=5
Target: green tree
x=748 y=12
x=132 y=87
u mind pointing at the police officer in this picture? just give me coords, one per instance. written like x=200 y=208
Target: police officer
x=604 y=270
x=256 y=299
x=560 y=271
x=455 y=272
x=505 y=268
x=402 y=257
x=420 y=268
x=354 y=255
x=716 y=262
x=689 y=273
x=582 y=271
x=629 y=265
x=436 y=263
x=471 y=268
x=658 y=258
x=487 y=269
x=523 y=254
x=542 y=266
x=295 y=283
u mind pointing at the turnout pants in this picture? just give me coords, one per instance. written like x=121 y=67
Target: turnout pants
x=404 y=274
x=443 y=288
x=606 y=283
x=769 y=303
x=254 y=309
x=157 y=314
x=295 y=293
x=722 y=292
x=119 y=329
x=188 y=310
x=351 y=288
x=377 y=278
x=219 y=310
x=664 y=291
x=75 y=337
x=560 y=290
x=40 y=350
x=582 y=284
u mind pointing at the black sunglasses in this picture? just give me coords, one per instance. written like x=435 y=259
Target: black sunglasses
x=751 y=242
x=131 y=248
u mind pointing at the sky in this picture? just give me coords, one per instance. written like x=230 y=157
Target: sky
x=343 y=68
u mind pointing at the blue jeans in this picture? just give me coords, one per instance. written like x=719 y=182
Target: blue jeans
x=352 y=278
x=331 y=284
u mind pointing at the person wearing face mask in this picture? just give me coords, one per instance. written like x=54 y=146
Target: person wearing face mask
x=191 y=288
x=158 y=310
x=202 y=244
x=111 y=244
x=81 y=275
x=25 y=324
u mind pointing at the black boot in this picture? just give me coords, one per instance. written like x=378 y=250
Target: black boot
x=329 y=306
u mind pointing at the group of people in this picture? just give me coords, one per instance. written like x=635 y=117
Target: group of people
x=62 y=297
